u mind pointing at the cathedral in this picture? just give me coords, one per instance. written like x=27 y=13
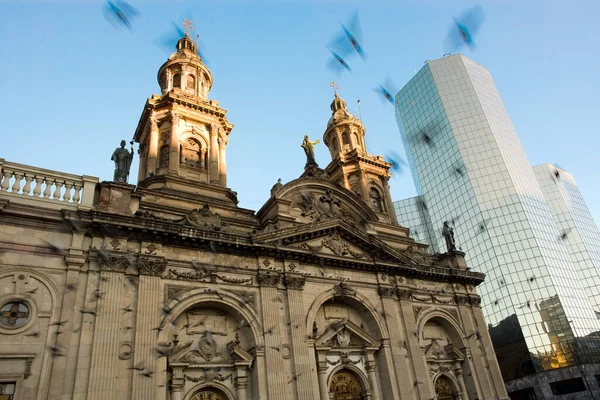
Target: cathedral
x=167 y=290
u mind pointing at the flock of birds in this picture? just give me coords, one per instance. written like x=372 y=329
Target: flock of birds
x=347 y=44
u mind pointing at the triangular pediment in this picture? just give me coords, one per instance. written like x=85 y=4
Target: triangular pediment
x=336 y=239
x=436 y=352
x=346 y=334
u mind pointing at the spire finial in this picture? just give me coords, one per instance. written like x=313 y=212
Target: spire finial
x=188 y=26
x=334 y=86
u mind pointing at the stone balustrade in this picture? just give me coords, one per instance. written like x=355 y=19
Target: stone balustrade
x=37 y=183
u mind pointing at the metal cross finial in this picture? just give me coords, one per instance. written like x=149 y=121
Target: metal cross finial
x=334 y=86
x=188 y=25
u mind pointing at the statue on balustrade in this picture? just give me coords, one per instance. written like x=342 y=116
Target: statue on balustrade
x=122 y=159
x=448 y=234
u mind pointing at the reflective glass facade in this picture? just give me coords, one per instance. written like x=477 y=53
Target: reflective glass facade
x=470 y=169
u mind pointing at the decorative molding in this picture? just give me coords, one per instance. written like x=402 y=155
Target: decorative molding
x=268 y=279
x=387 y=292
x=125 y=350
x=151 y=267
x=294 y=282
x=204 y=218
x=116 y=244
x=234 y=281
x=191 y=276
x=343 y=289
x=404 y=294
x=461 y=299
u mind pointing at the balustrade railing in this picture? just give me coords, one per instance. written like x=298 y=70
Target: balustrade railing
x=33 y=182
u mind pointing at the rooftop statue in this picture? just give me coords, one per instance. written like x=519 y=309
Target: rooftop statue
x=122 y=159
x=448 y=234
x=309 y=149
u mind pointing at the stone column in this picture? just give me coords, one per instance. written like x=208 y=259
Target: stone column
x=371 y=367
x=222 y=166
x=240 y=384
x=105 y=347
x=276 y=378
x=174 y=144
x=152 y=159
x=323 y=388
x=388 y=201
x=143 y=162
x=461 y=381
x=214 y=154
x=203 y=159
x=364 y=187
x=177 y=383
x=295 y=285
x=146 y=340
x=62 y=384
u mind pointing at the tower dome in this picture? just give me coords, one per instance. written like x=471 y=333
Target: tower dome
x=184 y=71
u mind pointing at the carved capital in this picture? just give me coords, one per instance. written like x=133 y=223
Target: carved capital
x=294 y=282
x=387 y=292
x=268 y=279
x=222 y=142
x=214 y=129
x=461 y=299
x=474 y=300
x=151 y=267
x=404 y=294
x=175 y=118
x=241 y=382
x=343 y=289
x=113 y=264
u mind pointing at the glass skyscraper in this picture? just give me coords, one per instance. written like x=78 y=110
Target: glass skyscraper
x=541 y=292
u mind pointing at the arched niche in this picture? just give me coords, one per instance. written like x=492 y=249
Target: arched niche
x=376 y=199
x=354 y=300
x=444 y=353
x=446 y=387
x=209 y=337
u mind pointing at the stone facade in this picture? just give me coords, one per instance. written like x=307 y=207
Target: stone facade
x=169 y=290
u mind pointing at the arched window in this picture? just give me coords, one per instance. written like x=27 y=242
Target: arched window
x=177 y=80
x=345 y=138
x=191 y=153
x=376 y=203
x=163 y=157
x=190 y=85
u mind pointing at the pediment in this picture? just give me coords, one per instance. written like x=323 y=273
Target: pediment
x=204 y=351
x=346 y=334
x=336 y=238
x=436 y=352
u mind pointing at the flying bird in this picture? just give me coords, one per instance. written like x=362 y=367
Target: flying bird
x=353 y=34
x=120 y=13
x=396 y=160
x=464 y=29
x=386 y=91
x=337 y=64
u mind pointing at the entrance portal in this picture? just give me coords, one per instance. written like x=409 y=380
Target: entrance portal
x=209 y=394
x=345 y=386
x=444 y=389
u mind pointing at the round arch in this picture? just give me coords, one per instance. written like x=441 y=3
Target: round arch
x=194 y=134
x=449 y=323
x=216 y=385
x=198 y=296
x=50 y=285
x=357 y=372
x=357 y=297
x=451 y=378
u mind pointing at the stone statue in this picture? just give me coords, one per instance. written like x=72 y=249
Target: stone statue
x=448 y=234
x=309 y=149
x=122 y=159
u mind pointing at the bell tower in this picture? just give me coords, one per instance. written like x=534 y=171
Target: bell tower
x=180 y=132
x=351 y=166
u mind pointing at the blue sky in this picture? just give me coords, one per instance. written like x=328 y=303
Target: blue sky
x=72 y=86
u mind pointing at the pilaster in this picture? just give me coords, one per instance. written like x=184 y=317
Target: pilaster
x=214 y=154
x=222 y=166
x=62 y=383
x=174 y=144
x=146 y=339
x=276 y=377
x=302 y=366
x=102 y=385
x=152 y=143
